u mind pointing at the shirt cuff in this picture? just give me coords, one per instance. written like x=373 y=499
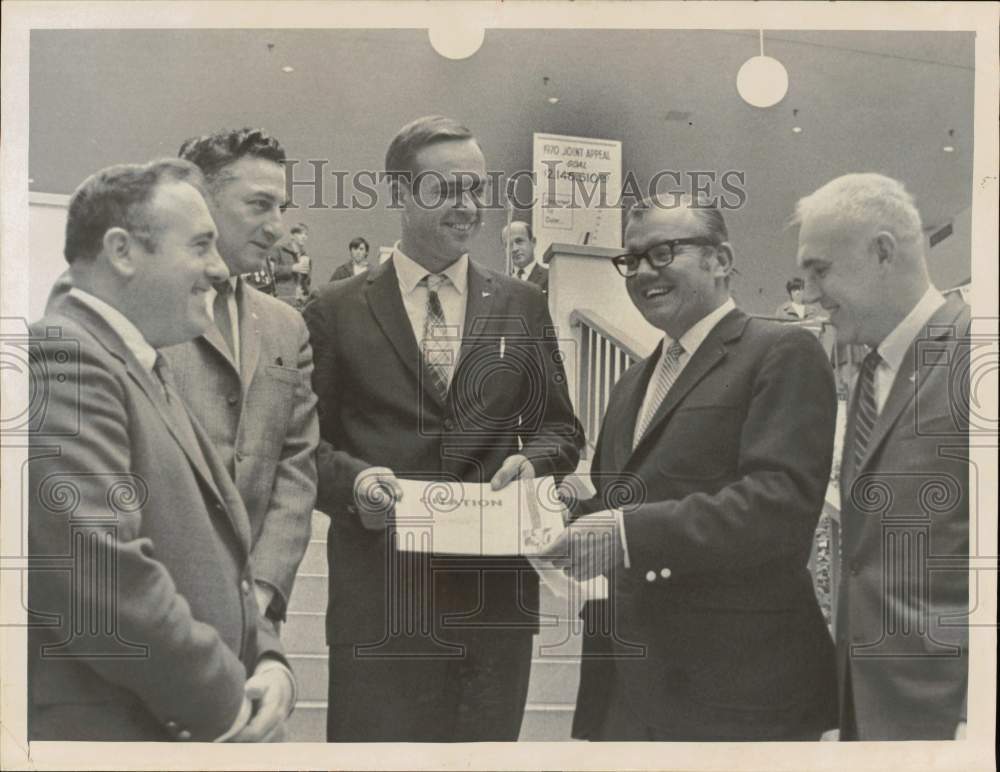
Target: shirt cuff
x=620 y=521
x=265 y=594
x=246 y=709
x=270 y=663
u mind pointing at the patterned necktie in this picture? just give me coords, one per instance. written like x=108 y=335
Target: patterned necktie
x=865 y=407
x=520 y=273
x=666 y=373
x=436 y=350
x=180 y=418
x=220 y=309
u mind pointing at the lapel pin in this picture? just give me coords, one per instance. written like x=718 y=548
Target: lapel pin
x=279 y=361
x=485 y=294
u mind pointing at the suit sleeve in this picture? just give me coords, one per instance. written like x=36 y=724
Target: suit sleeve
x=337 y=469
x=554 y=447
x=285 y=534
x=771 y=509
x=71 y=505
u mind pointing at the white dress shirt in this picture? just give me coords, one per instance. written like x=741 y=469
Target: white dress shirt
x=452 y=294
x=527 y=270
x=357 y=268
x=117 y=321
x=895 y=345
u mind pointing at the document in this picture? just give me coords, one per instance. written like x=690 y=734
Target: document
x=457 y=518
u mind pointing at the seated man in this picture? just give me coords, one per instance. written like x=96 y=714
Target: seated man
x=125 y=489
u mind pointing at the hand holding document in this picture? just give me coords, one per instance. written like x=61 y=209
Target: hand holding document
x=457 y=518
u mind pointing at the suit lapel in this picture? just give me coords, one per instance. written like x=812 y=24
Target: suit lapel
x=632 y=391
x=386 y=303
x=909 y=379
x=711 y=351
x=481 y=295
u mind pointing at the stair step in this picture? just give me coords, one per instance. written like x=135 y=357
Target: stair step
x=314 y=561
x=546 y=723
x=312 y=675
x=308 y=723
x=309 y=593
x=320 y=524
x=304 y=633
x=553 y=681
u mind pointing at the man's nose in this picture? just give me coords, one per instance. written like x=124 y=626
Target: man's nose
x=275 y=225
x=810 y=292
x=645 y=268
x=216 y=269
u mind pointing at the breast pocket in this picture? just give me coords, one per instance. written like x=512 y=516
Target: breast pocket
x=700 y=443
x=271 y=403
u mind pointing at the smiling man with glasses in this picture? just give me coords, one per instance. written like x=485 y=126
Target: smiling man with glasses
x=724 y=438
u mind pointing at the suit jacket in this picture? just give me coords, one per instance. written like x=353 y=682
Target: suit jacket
x=787 y=311
x=902 y=610
x=378 y=407
x=262 y=421
x=156 y=641
x=715 y=627
x=343 y=271
x=540 y=276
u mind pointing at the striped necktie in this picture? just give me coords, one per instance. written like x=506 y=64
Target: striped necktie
x=666 y=373
x=436 y=351
x=865 y=407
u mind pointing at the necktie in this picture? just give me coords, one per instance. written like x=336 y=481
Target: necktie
x=865 y=407
x=666 y=373
x=520 y=273
x=220 y=309
x=436 y=350
x=180 y=419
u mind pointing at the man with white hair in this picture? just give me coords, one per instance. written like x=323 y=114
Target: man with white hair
x=902 y=644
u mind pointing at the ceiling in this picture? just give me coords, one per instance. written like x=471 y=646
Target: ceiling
x=866 y=101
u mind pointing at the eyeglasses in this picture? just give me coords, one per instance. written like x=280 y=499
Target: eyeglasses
x=659 y=255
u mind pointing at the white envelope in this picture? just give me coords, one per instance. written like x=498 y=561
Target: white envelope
x=456 y=518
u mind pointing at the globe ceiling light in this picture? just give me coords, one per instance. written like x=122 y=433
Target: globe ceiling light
x=457 y=39
x=762 y=80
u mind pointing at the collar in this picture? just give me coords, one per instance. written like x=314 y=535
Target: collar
x=212 y=292
x=117 y=321
x=695 y=336
x=411 y=272
x=895 y=345
x=527 y=269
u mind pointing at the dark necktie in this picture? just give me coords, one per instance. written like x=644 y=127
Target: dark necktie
x=436 y=352
x=223 y=320
x=520 y=273
x=865 y=407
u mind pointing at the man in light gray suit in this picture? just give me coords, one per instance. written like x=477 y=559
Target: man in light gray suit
x=247 y=379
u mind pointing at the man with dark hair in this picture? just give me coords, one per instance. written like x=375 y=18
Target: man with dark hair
x=522 y=255
x=794 y=308
x=126 y=490
x=248 y=377
x=902 y=610
x=357 y=264
x=710 y=469
x=423 y=367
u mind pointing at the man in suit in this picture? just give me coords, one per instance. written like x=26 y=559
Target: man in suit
x=710 y=472
x=522 y=255
x=794 y=308
x=431 y=367
x=357 y=264
x=248 y=377
x=902 y=644
x=126 y=491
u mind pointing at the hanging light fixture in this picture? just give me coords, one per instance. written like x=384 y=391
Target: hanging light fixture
x=456 y=39
x=762 y=81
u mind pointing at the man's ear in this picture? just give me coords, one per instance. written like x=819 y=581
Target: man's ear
x=884 y=247
x=724 y=257
x=119 y=250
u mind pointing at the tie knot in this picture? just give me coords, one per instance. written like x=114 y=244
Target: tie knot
x=434 y=281
x=872 y=360
x=223 y=288
x=675 y=350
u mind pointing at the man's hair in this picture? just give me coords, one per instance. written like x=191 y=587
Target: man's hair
x=400 y=158
x=359 y=242
x=708 y=213
x=118 y=197
x=527 y=227
x=212 y=153
x=795 y=283
x=299 y=227
x=855 y=200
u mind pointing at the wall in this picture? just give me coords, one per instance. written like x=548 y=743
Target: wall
x=46 y=236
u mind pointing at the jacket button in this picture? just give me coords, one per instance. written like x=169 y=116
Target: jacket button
x=184 y=734
x=245 y=587
x=233 y=399
x=239 y=456
x=651 y=576
x=449 y=425
x=171 y=727
x=665 y=573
